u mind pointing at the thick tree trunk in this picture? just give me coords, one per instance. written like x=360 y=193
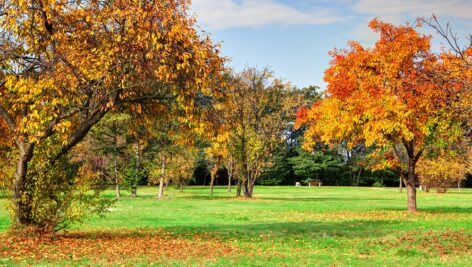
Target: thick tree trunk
x=161 y=180
x=247 y=188
x=411 y=185
x=411 y=191
x=181 y=186
x=22 y=196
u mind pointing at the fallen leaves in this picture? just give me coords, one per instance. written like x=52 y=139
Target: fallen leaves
x=113 y=247
x=432 y=243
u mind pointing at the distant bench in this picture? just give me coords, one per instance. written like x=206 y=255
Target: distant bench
x=310 y=184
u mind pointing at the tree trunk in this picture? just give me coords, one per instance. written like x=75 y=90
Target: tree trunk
x=211 y=184
x=181 y=186
x=229 y=183
x=117 y=180
x=401 y=185
x=358 y=177
x=411 y=185
x=213 y=171
x=134 y=189
x=22 y=196
x=161 y=180
x=115 y=166
x=411 y=191
x=247 y=188
x=238 y=190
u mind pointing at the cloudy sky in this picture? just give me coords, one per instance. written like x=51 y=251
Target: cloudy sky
x=293 y=37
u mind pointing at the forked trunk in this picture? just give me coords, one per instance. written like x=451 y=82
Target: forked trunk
x=247 y=189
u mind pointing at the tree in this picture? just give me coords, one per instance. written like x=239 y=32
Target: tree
x=109 y=139
x=257 y=105
x=317 y=166
x=444 y=171
x=65 y=64
x=386 y=98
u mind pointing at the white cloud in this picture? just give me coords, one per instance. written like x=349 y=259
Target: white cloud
x=397 y=9
x=223 y=14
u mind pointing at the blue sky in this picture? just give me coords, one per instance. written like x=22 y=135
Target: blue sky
x=293 y=37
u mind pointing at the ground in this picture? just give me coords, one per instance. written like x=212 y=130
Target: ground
x=281 y=226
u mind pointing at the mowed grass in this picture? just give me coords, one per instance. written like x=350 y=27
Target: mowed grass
x=281 y=226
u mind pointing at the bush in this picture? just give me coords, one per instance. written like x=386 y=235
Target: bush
x=442 y=172
x=378 y=184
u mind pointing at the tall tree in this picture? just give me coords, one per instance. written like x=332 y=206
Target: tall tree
x=65 y=64
x=258 y=105
x=109 y=139
x=386 y=97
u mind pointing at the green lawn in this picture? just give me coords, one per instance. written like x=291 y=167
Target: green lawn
x=287 y=226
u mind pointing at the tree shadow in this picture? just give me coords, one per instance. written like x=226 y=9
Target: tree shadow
x=262 y=198
x=437 y=209
x=290 y=230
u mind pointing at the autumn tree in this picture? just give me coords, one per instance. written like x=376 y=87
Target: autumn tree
x=257 y=106
x=444 y=171
x=385 y=97
x=65 y=64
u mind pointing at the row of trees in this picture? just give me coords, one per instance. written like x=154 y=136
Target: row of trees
x=130 y=91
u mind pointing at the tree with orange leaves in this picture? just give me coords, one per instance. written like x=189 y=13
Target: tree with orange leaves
x=65 y=64
x=385 y=97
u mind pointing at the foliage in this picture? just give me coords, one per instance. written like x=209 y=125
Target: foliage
x=257 y=107
x=65 y=64
x=317 y=165
x=65 y=193
x=386 y=98
x=444 y=171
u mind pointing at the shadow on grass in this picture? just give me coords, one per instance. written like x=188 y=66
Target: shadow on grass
x=437 y=209
x=261 y=198
x=290 y=230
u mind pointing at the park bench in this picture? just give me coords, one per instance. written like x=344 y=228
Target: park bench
x=310 y=184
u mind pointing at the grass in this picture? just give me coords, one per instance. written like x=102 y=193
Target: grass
x=281 y=226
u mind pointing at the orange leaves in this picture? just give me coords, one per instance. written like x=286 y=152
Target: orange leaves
x=381 y=95
x=113 y=248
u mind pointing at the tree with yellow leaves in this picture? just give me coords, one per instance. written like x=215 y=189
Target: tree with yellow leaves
x=65 y=64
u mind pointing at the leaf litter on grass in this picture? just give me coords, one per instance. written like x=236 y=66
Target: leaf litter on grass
x=113 y=247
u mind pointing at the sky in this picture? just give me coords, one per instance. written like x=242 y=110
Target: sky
x=293 y=37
